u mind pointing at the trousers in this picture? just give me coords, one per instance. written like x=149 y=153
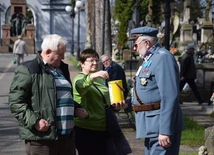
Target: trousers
x=152 y=147
x=20 y=58
x=193 y=87
x=64 y=145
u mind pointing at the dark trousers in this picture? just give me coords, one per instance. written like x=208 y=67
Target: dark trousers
x=193 y=87
x=90 y=142
x=64 y=145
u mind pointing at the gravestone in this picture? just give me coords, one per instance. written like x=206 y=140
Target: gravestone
x=186 y=30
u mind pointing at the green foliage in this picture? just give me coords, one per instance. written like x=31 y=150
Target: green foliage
x=144 y=9
x=73 y=3
x=195 y=10
x=212 y=114
x=74 y=62
x=123 y=11
x=156 y=11
x=29 y=14
x=193 y=135
x=188 y=153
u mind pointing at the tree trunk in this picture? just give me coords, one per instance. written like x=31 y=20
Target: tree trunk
x=98 y=25
x=90 y=24
x=94 y=28
x=107 y=37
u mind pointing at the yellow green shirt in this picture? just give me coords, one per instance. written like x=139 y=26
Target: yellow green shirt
x=91 y=100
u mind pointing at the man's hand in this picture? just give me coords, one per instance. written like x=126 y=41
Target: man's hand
x=80 y=113
x=42 y=125
x=212 y=98
x=182 y=78
x=164 y=141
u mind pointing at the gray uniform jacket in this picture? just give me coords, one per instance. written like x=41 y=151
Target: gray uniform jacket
x=161 y=73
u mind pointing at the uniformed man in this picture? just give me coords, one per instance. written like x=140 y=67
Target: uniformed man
x=155 y=99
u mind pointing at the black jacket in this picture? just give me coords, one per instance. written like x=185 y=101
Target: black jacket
x=116 y=72
x=187 y=66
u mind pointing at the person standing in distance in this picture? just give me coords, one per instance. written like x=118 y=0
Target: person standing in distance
x=188 y=72
x=155 y=99
x=40 y=97
x=115 y=71
x=19 y=49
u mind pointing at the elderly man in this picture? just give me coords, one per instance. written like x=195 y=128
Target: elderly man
x=115 y=72
x=41 y=99
x=19 y=49
x=155 y=99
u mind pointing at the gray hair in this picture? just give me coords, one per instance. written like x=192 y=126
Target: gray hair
x=152 y=40
x=104 y=55
x=52 y=42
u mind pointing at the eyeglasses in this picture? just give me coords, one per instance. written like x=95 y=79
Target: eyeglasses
x=92 y=61
x=105 y=61
x=136 y=44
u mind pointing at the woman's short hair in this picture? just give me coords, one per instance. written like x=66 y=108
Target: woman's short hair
x=88 y=53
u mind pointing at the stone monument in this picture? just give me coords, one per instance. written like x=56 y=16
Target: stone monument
x=19 y=25
x=207 y=28
x=186 y=29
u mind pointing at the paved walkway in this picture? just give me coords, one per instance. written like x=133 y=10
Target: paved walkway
x=10 y=144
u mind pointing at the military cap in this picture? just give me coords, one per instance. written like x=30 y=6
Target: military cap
x=143 y=31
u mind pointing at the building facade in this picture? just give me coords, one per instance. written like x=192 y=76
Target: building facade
x=48 y=17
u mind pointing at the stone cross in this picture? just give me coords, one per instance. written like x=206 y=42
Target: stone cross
x=186 y=11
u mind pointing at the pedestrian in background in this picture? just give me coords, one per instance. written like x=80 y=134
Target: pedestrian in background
x=40 y=98
x=188 y=72
x=90 y=92
x=19 y=49
x=115 y=71
x=158 y=115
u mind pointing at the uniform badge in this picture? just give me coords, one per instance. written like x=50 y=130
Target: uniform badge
x=143 y=81
x=145 y=70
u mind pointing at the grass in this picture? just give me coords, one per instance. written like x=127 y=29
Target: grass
x=212 y=115
x=74 y=62
x=188 y=153
x=193 y=135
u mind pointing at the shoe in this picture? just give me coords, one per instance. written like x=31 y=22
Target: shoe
x=201 y=102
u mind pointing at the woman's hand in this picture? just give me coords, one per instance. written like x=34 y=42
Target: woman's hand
x=99 y=74
x=120 y=105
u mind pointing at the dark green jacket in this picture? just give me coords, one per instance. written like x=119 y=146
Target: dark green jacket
x=33 y=96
